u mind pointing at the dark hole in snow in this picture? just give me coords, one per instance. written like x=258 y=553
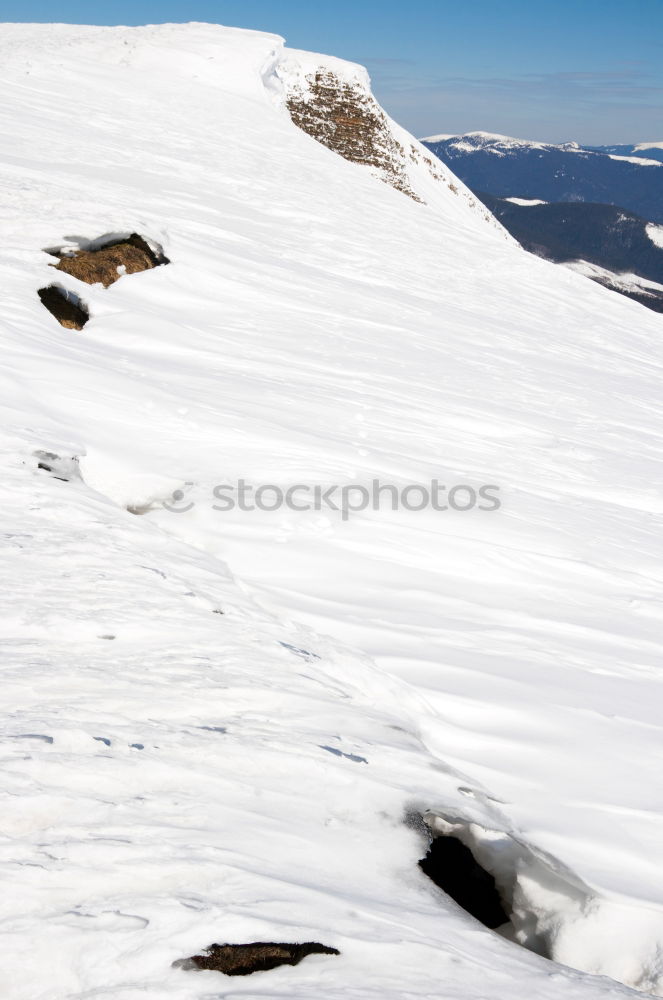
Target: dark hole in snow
x=452 y=866
x=67 y=308
x=527 y=902
x=106 y=260
x=260 y=956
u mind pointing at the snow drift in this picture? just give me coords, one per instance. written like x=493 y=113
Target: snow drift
x=217 y=723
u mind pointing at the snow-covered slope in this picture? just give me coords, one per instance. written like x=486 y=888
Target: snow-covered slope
x=648 y=293
x=217 y=721
x=620 y=244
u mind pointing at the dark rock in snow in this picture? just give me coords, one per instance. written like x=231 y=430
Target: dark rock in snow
x=67 y=308
x=260 y=956
x=110 y=261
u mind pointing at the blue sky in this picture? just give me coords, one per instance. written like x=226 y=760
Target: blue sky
x=590 y=70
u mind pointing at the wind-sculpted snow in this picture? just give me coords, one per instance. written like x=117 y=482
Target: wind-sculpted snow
x=217 y=722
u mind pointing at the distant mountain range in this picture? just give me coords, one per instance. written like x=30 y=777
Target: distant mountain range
x=644 y=150
x=597 y=209
x=509 y=167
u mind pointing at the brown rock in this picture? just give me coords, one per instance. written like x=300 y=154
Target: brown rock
x=110 y=262
x=66 y=310
x=350 y=122
x=260 y=956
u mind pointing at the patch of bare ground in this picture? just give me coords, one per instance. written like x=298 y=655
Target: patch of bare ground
x=260 y=956
x=350 y=122
x=108 y=263
x=68 y=310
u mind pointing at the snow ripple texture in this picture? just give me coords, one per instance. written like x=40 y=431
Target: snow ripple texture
x=215 y=724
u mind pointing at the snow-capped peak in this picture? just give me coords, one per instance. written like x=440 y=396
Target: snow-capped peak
x=496 y=139
x=493 y=142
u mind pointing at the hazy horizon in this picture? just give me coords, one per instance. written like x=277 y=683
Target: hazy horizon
x=586 y=73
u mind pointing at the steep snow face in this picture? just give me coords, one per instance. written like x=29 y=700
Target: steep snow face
x=217 y=720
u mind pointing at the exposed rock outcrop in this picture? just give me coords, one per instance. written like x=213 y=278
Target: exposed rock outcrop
x=349 y=121
x=260 y=956
x=110 y=261
x=67 y=308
